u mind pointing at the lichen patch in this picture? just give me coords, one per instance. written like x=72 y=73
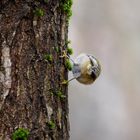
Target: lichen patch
x=6 y=74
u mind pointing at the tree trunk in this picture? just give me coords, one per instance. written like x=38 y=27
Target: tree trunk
x=33 y=35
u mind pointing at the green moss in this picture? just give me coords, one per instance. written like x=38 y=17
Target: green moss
x=68 y=42
x=51 y=124
x=66 y=7
x=48 y=57
x=57 y=49
x=20 y=134
x=69 y=51
x=60 y=95
x=65 y=82
x=39 y=12
x=68 y=64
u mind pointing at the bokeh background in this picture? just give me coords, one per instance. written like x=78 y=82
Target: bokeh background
x=110 y=108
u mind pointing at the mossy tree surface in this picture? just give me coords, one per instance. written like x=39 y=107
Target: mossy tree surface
x=30 y=29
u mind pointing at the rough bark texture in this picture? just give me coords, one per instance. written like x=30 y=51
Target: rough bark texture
x=29 y=84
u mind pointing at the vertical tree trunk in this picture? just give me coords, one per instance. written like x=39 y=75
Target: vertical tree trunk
x=33 y=35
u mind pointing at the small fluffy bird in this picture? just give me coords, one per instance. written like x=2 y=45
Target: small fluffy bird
x=86 y=68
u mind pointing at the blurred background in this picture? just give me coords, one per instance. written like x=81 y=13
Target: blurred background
x=109 y=109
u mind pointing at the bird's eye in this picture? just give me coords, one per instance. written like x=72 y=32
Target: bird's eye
x=94 y=70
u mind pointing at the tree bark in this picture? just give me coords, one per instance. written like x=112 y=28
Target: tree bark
x=33 y=35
